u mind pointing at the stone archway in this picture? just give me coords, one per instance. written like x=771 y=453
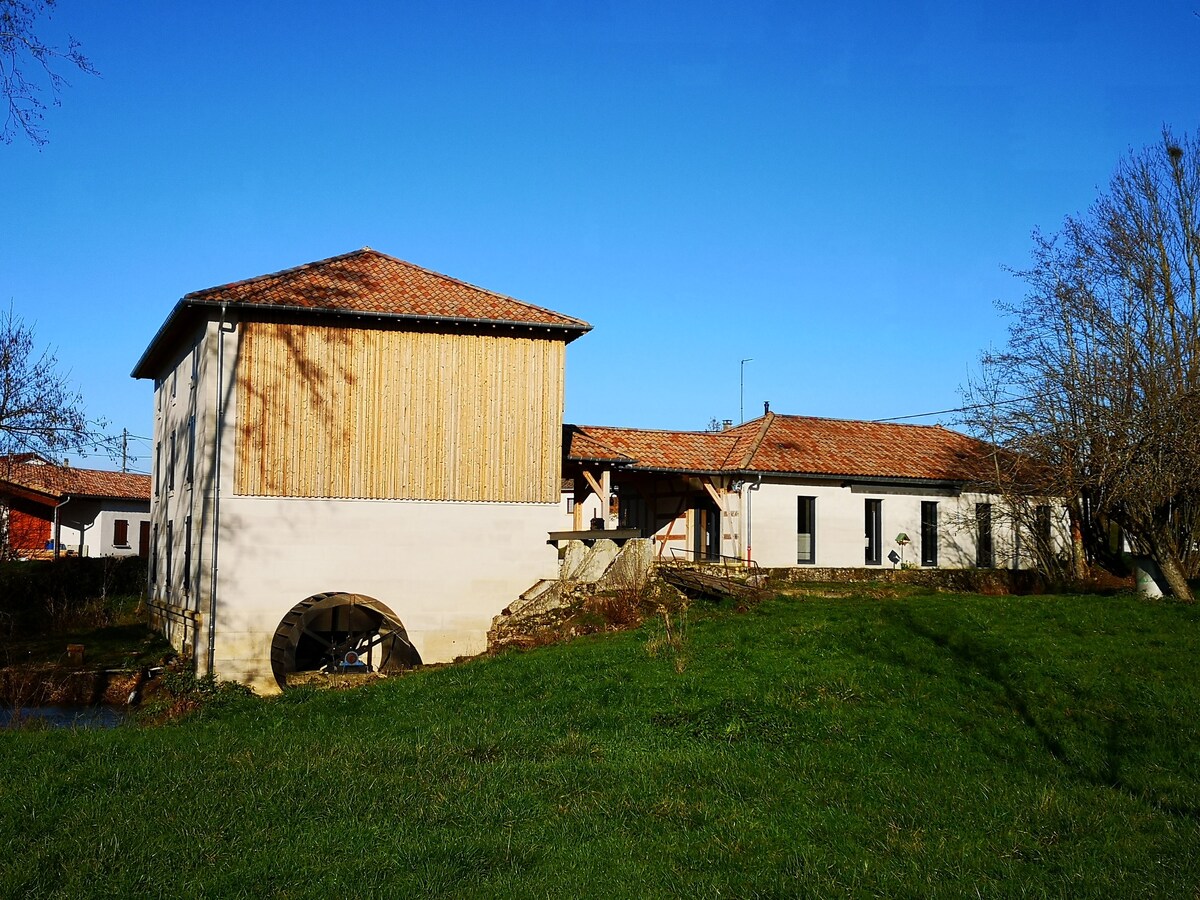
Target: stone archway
x=335 y=629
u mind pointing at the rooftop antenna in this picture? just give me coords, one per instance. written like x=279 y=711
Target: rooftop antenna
x=742 y=390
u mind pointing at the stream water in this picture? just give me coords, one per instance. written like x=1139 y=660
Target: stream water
x=62 y=716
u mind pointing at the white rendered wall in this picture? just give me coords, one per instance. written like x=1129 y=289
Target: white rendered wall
x=444 y=569
x=840 y=533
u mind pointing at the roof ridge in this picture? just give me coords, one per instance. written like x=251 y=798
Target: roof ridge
x=287 y=271
x=862 y=421
x=768 y=418
x=475 y=287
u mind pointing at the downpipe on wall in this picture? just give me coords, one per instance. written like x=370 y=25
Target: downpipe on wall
x=750 y=519
x=216 y=517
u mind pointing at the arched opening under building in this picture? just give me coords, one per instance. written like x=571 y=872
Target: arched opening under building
x=340 y=632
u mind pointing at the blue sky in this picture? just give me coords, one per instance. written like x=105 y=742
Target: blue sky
x=829 y=190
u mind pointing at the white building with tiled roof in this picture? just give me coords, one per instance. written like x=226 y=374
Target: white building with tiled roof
x=354 y=456
x=48 y=510
x=800 y=491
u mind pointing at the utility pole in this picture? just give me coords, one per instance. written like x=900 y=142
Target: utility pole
x=124 y=449
x=742 y=391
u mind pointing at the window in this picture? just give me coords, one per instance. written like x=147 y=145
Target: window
x=174 y=381
x=171 y=469
x=1041 y=532
x=806 y=530
x=167 y=574
x=154 y=558
x=120 y=532
x=195 y=366
x=191 y=449
x=984 y=558
x=929 y=533
x=157 y=467
x=187 y=554
x=873 y=526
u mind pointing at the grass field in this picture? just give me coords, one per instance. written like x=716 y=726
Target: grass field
x=925 y=746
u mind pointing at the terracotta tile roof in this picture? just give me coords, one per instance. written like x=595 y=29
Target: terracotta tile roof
x=60 y=481
x=883 y=449
x=690 y=451
x=368 y=281
x=800 y=445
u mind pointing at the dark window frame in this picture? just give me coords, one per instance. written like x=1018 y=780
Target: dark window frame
x=929 y=533
x=806 y=515
x=873 y=532
x=120 y=532
x=985 y=545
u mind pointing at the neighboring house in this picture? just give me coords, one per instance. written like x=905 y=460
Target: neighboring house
x=800 y=491
x=356 y=455
x=51 y=510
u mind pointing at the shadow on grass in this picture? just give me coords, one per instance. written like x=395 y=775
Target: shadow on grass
x=994 y=664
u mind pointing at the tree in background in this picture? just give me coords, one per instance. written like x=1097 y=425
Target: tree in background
x=28 y=67
x=1098 y=387
x=39 y=410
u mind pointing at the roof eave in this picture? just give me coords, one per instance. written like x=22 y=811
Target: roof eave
x=143 y=368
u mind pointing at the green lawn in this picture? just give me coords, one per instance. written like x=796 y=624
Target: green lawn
x=931 y=745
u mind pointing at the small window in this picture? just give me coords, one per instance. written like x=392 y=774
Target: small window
x=170 y=549
x=984 y=552
x=154 y=558
x=873 y=526
x=171 y=469
x=187 y=555
x=1041 y=528
x=120 y=532
x=174 y=381
x=929 y=533
x=570 y=504
x=191 y=449
x=195 y=366
x=806 y=530
x=157 y=467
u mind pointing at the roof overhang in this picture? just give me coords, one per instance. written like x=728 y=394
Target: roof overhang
x=187 y=313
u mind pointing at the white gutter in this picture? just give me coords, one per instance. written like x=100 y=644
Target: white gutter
x=58 y=526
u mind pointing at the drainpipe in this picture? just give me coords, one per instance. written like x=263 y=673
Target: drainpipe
x=216 y=517
x=749 y=518
x=57 y=525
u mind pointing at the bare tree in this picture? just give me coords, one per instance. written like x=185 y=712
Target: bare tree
x=39 y=410
x=1098 y=387
x=28 y=67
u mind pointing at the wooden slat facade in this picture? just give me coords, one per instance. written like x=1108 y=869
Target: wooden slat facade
x=395 y=415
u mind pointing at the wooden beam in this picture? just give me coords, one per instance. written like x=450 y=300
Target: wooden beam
x=717 y=496
x=593 y=484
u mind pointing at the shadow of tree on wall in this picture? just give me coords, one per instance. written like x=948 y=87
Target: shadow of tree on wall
x=1095 y=737
x=321 y=377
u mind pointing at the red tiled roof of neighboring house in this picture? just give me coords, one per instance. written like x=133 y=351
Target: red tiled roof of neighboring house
x=366 y=283
x=800 y=445
x=60 y=481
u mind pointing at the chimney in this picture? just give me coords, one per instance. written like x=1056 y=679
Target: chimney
x=766 y=407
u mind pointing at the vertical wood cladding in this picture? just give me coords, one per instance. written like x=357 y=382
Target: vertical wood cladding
x=391 y=415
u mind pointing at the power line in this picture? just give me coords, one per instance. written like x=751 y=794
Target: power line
x=942 y=412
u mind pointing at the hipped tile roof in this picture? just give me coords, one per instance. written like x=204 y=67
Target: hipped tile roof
x=62 y=481
x=792 y=445
x=367 y=283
